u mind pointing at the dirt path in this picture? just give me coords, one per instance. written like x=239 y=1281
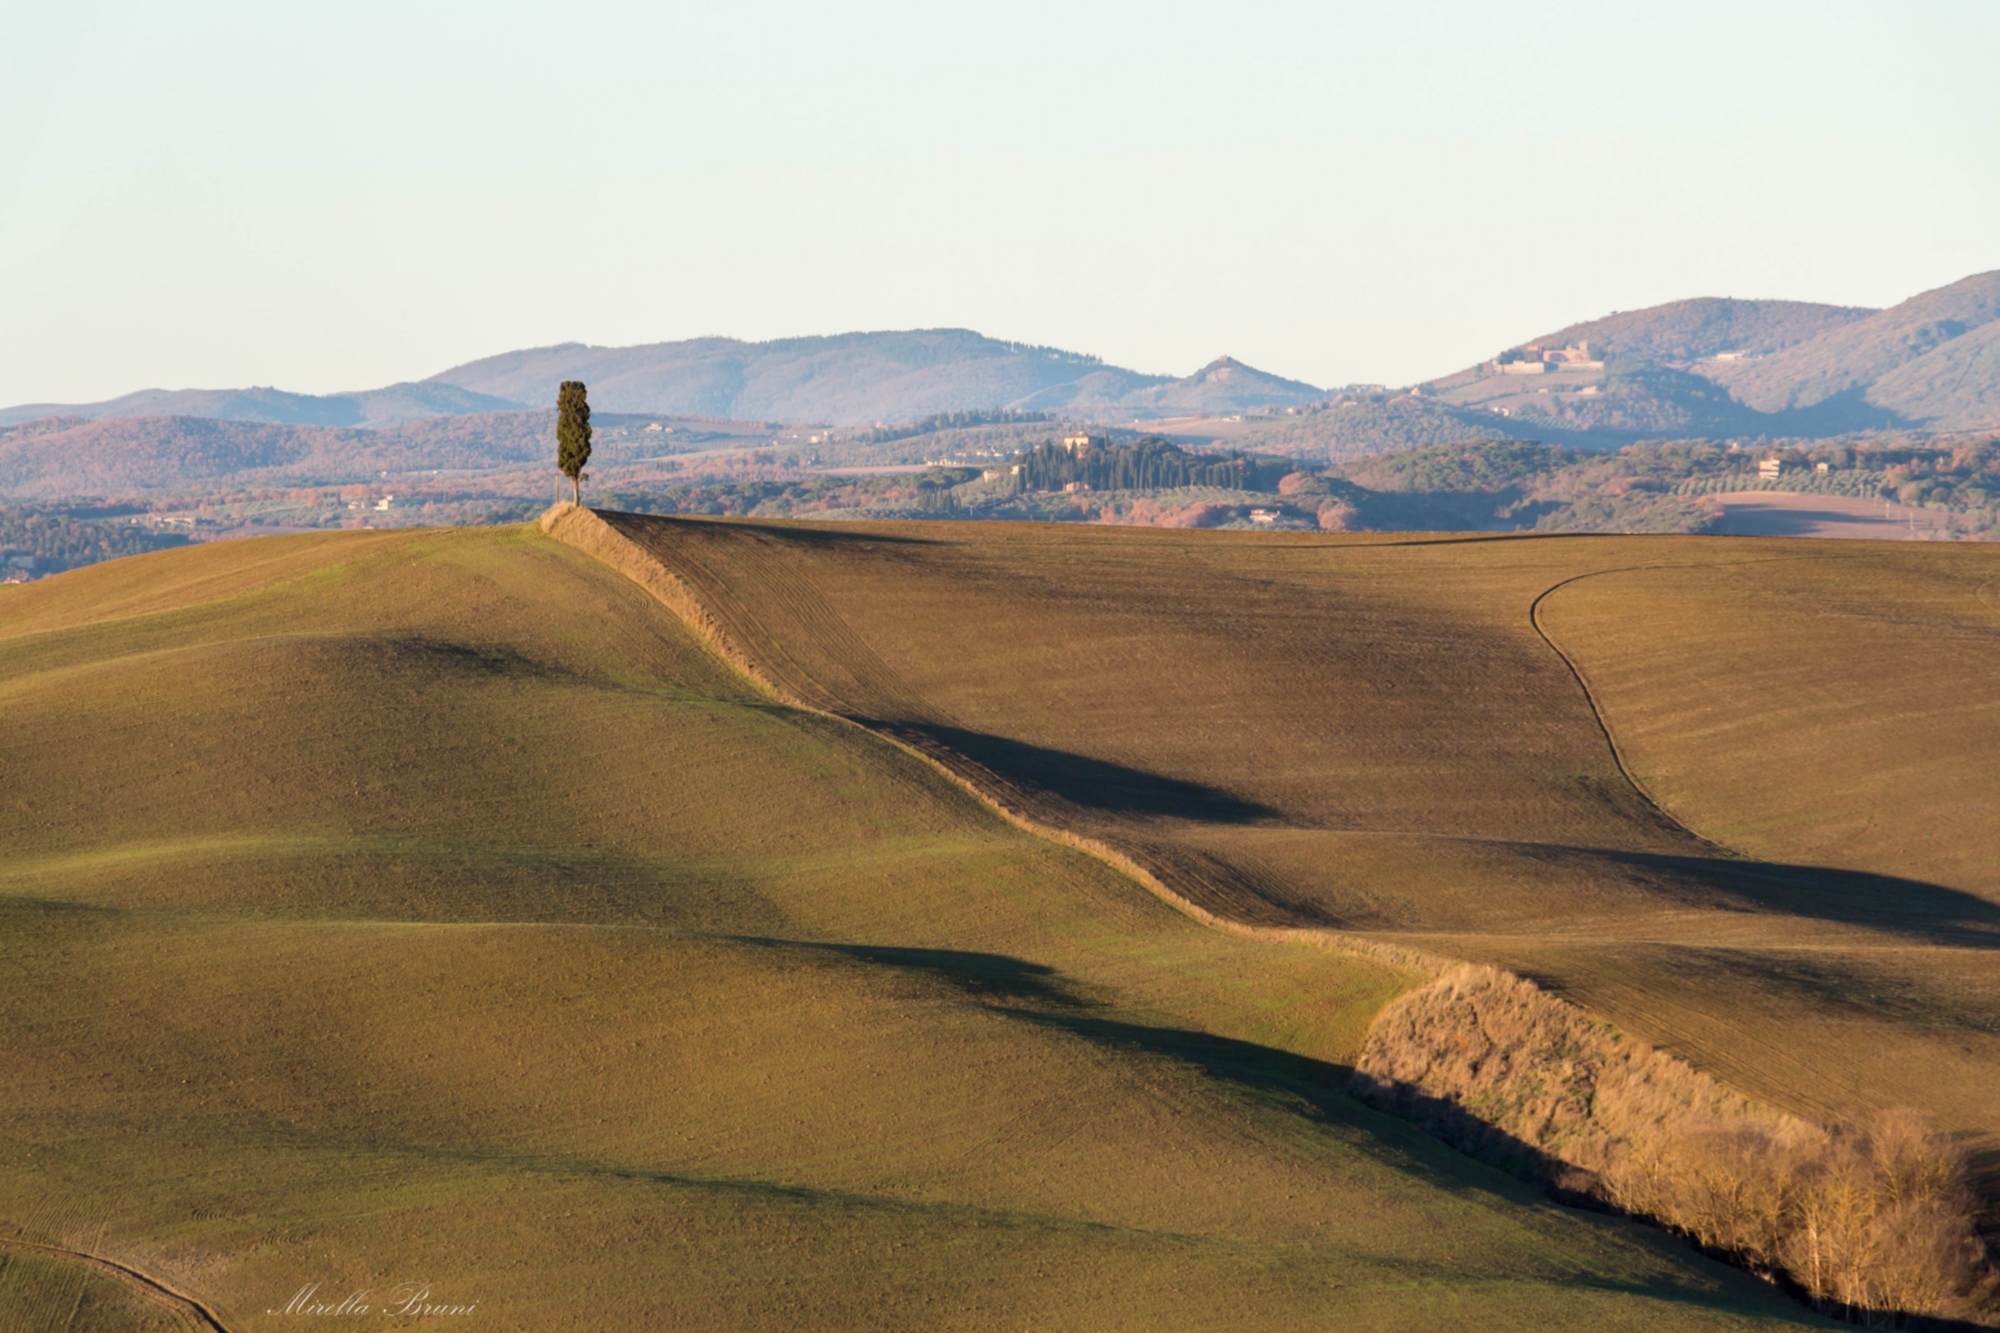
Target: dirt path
x=151 y=1288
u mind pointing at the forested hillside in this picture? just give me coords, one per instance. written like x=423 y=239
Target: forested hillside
x=1681 y=331
x=1939 y=348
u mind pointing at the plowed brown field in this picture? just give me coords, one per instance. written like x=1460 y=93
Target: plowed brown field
x=1738 y=796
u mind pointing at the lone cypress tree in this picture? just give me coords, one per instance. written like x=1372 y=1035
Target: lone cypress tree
x=573 y=434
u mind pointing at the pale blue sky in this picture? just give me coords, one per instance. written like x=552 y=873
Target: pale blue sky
x=336 y=196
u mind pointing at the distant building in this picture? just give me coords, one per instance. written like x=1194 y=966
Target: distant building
x=1770 y=468
x=1535 y=359
x=1077 y=445
x=1577 y=354
x=1263 y=516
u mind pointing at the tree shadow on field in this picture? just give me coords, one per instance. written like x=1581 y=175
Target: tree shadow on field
x=1434 y=1142
x=1323 y=1090
x=1930 y=912
x=795 y=531
x=1041 y=995
x=983 y=976
x=1096 y=784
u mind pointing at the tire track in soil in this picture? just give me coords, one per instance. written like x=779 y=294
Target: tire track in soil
x=1665 y=815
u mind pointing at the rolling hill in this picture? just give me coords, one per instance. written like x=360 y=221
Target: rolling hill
x=1224 y=385
x=1601 y=762
x=375 y=407
x=848 y=379
x=69 y=456
x=435 y=907
x=1955 y=386
x=858 y=378
x=1714 y=368
x=1682 y=331
x=1836 y=374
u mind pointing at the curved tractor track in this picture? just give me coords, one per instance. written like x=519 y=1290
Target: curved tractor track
x=1597 y=710
x=144 y=1285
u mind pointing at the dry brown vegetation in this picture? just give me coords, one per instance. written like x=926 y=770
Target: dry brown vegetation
x=1872 y=1219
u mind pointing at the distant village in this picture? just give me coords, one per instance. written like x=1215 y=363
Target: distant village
x=1535 y=359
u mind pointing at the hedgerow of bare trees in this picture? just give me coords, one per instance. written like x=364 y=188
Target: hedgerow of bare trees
x=1871 y=1219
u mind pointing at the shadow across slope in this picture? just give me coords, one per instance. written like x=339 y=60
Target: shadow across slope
x=763 y=1000
x=1388 y=742
x=1094 y=784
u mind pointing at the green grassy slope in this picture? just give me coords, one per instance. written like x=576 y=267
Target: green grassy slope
x=434 y=907
x=1373 y=733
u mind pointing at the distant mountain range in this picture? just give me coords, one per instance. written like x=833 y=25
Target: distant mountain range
x=375 y=407
x=73 y=455
x=1709 y=367
x=1933 y=361
x=1715 y=367
x=852 y=379
x=858 y=379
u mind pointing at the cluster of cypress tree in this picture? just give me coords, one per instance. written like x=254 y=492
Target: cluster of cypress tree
x=1148 y=463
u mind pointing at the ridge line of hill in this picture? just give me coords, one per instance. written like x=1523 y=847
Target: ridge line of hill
x=587 y=531
x=590 y=532
x=146 y=1285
